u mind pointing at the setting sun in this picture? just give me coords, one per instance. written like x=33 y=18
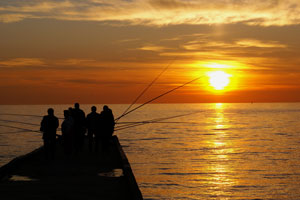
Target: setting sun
x=219 y=79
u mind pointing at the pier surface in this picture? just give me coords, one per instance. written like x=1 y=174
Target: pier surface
x=87 y=176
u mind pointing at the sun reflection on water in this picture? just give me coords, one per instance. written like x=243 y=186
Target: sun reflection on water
x=220 y=169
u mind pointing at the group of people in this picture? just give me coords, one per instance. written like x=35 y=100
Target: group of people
x=98 y=126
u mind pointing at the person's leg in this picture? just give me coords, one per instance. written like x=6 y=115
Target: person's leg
x=52 y=148
x=90 y=138
x=96 y=144
x=46 y=148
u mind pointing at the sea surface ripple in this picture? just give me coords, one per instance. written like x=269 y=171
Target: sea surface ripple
x=224 y=151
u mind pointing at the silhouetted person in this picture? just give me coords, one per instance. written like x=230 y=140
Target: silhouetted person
x=67 y=129
x=71 y=110
x=92 y=124
x=79 y=121
x=107 y=127
x=49 y=125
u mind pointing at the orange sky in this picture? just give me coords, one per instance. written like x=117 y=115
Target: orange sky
x=97 y=51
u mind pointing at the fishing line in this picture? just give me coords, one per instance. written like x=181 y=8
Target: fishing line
x=162 y=95
x=8 y=126
x=19 y=122
x=21 y=115
x=145 y=90
x=147 y=122
x=12 y=132
x=157 y=120
x=24 y=129
x=154 y=121
x=143 y=122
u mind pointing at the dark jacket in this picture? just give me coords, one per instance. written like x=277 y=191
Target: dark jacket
x=49 y=125
x=79 y=119
x=107 y=122
x=93 y=121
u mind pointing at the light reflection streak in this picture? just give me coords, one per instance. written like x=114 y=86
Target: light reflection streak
x=220 y=169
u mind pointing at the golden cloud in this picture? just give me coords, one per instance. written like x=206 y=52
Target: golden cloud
x=244 y=43
x=158 y=12
x=153 y=48
x=260 y=44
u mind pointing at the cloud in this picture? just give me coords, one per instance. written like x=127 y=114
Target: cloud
x=22 y=62
x=169 y=4
x=103 y=82
x=8 y=18
x=260 y=44
x=70 y=64
x=158 y=12
x=153 y=48
x=243 y=43
x=77 y=62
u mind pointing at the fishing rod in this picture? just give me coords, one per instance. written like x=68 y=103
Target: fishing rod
x=3 y=120
x=23 y=115
x=12 y=132
x=151 y=121
x=143 y=122
x=161 y=95
x=158 y=122
x=134 y=125
x=147 y=121
x=20 y=115
x=154 y=121
x=24 y=129
x=145 y=90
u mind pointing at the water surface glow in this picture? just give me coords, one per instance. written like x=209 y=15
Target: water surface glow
x=228 y=151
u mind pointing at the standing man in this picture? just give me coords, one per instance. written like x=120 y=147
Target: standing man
x=67 y=129
x=107 y=127
x=79 y=126
x=49 y=125
x=92 y=124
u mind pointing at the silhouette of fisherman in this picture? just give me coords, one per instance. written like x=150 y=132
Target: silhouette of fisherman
x=49 y=124
x=92 y=124
x=107 y=127
x=67 y=129
x=79 y=126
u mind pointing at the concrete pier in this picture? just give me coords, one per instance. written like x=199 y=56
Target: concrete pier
x=87 y=176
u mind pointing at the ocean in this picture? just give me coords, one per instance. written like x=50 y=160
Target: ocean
x=214 y=151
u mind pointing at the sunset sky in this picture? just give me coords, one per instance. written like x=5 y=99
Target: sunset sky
x=97 y=51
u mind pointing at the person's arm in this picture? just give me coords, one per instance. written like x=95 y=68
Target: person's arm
x=57 y=123
x=112 y=118
x=42 y=124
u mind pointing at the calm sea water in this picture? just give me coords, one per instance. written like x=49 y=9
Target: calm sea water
x=226 y=151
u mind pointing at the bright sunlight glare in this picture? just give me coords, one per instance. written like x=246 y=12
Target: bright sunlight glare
x=219 y=79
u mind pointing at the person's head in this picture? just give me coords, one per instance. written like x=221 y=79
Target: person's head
x=76 y=105
x=93 y=109
x=50 y=111
x=105 y=108
x=66 y=113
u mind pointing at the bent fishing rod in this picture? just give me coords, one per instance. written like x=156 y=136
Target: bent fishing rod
x=145 y=90
x=159 y=96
